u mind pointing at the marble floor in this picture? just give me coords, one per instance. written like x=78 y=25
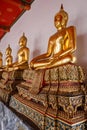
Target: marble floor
x=9 y=121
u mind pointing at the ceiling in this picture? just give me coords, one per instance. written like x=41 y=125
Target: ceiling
x=10 y=12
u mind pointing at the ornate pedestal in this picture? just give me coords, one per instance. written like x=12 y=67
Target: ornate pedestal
x=8 y=84
x=54 y=99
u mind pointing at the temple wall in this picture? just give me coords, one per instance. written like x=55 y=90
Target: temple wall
x=38 y=25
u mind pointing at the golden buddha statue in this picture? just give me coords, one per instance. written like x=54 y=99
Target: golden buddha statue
x=1 y=61
x=23 y=55
x=8 y=59
x=61 y=45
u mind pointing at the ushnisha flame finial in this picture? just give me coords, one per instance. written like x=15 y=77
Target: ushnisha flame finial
x=61 y=6
x=23 y=34
x=62 y=13
x=9 y=48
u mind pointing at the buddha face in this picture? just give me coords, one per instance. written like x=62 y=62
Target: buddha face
x=61 y=19
x=60 y=22
x=22 y=42
x=8 y=52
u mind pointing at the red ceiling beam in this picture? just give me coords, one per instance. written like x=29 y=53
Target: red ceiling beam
x=13 y=2
x=21 y=3
x=28 y=1
x=5 y=28
x=26 y=4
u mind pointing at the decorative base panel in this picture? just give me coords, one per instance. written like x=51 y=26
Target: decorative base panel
x=38 y=114
x=4 y=95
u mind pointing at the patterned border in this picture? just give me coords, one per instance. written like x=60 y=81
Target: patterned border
x=44 y=122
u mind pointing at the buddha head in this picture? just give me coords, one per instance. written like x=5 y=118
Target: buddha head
x=8 y=50
x=23 y=41
x=60 y=19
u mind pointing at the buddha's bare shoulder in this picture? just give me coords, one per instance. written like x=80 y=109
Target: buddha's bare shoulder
x=71 y=28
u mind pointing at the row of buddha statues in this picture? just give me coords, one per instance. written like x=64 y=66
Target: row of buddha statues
x=49 y=88
x=61 y=46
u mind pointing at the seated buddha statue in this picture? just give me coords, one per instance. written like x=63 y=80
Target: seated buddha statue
x=1 y=61
x=61 y=45
x=8 y=59
x=23 y=55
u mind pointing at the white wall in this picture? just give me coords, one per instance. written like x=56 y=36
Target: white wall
x=38 y=25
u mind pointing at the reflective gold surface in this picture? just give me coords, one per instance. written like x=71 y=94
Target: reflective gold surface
x=1 y=61
x=8 y=59
x=61 y=45
x=23 y=55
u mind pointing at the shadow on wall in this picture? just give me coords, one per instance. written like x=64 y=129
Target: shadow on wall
x=36 y=51
x=81 y=52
